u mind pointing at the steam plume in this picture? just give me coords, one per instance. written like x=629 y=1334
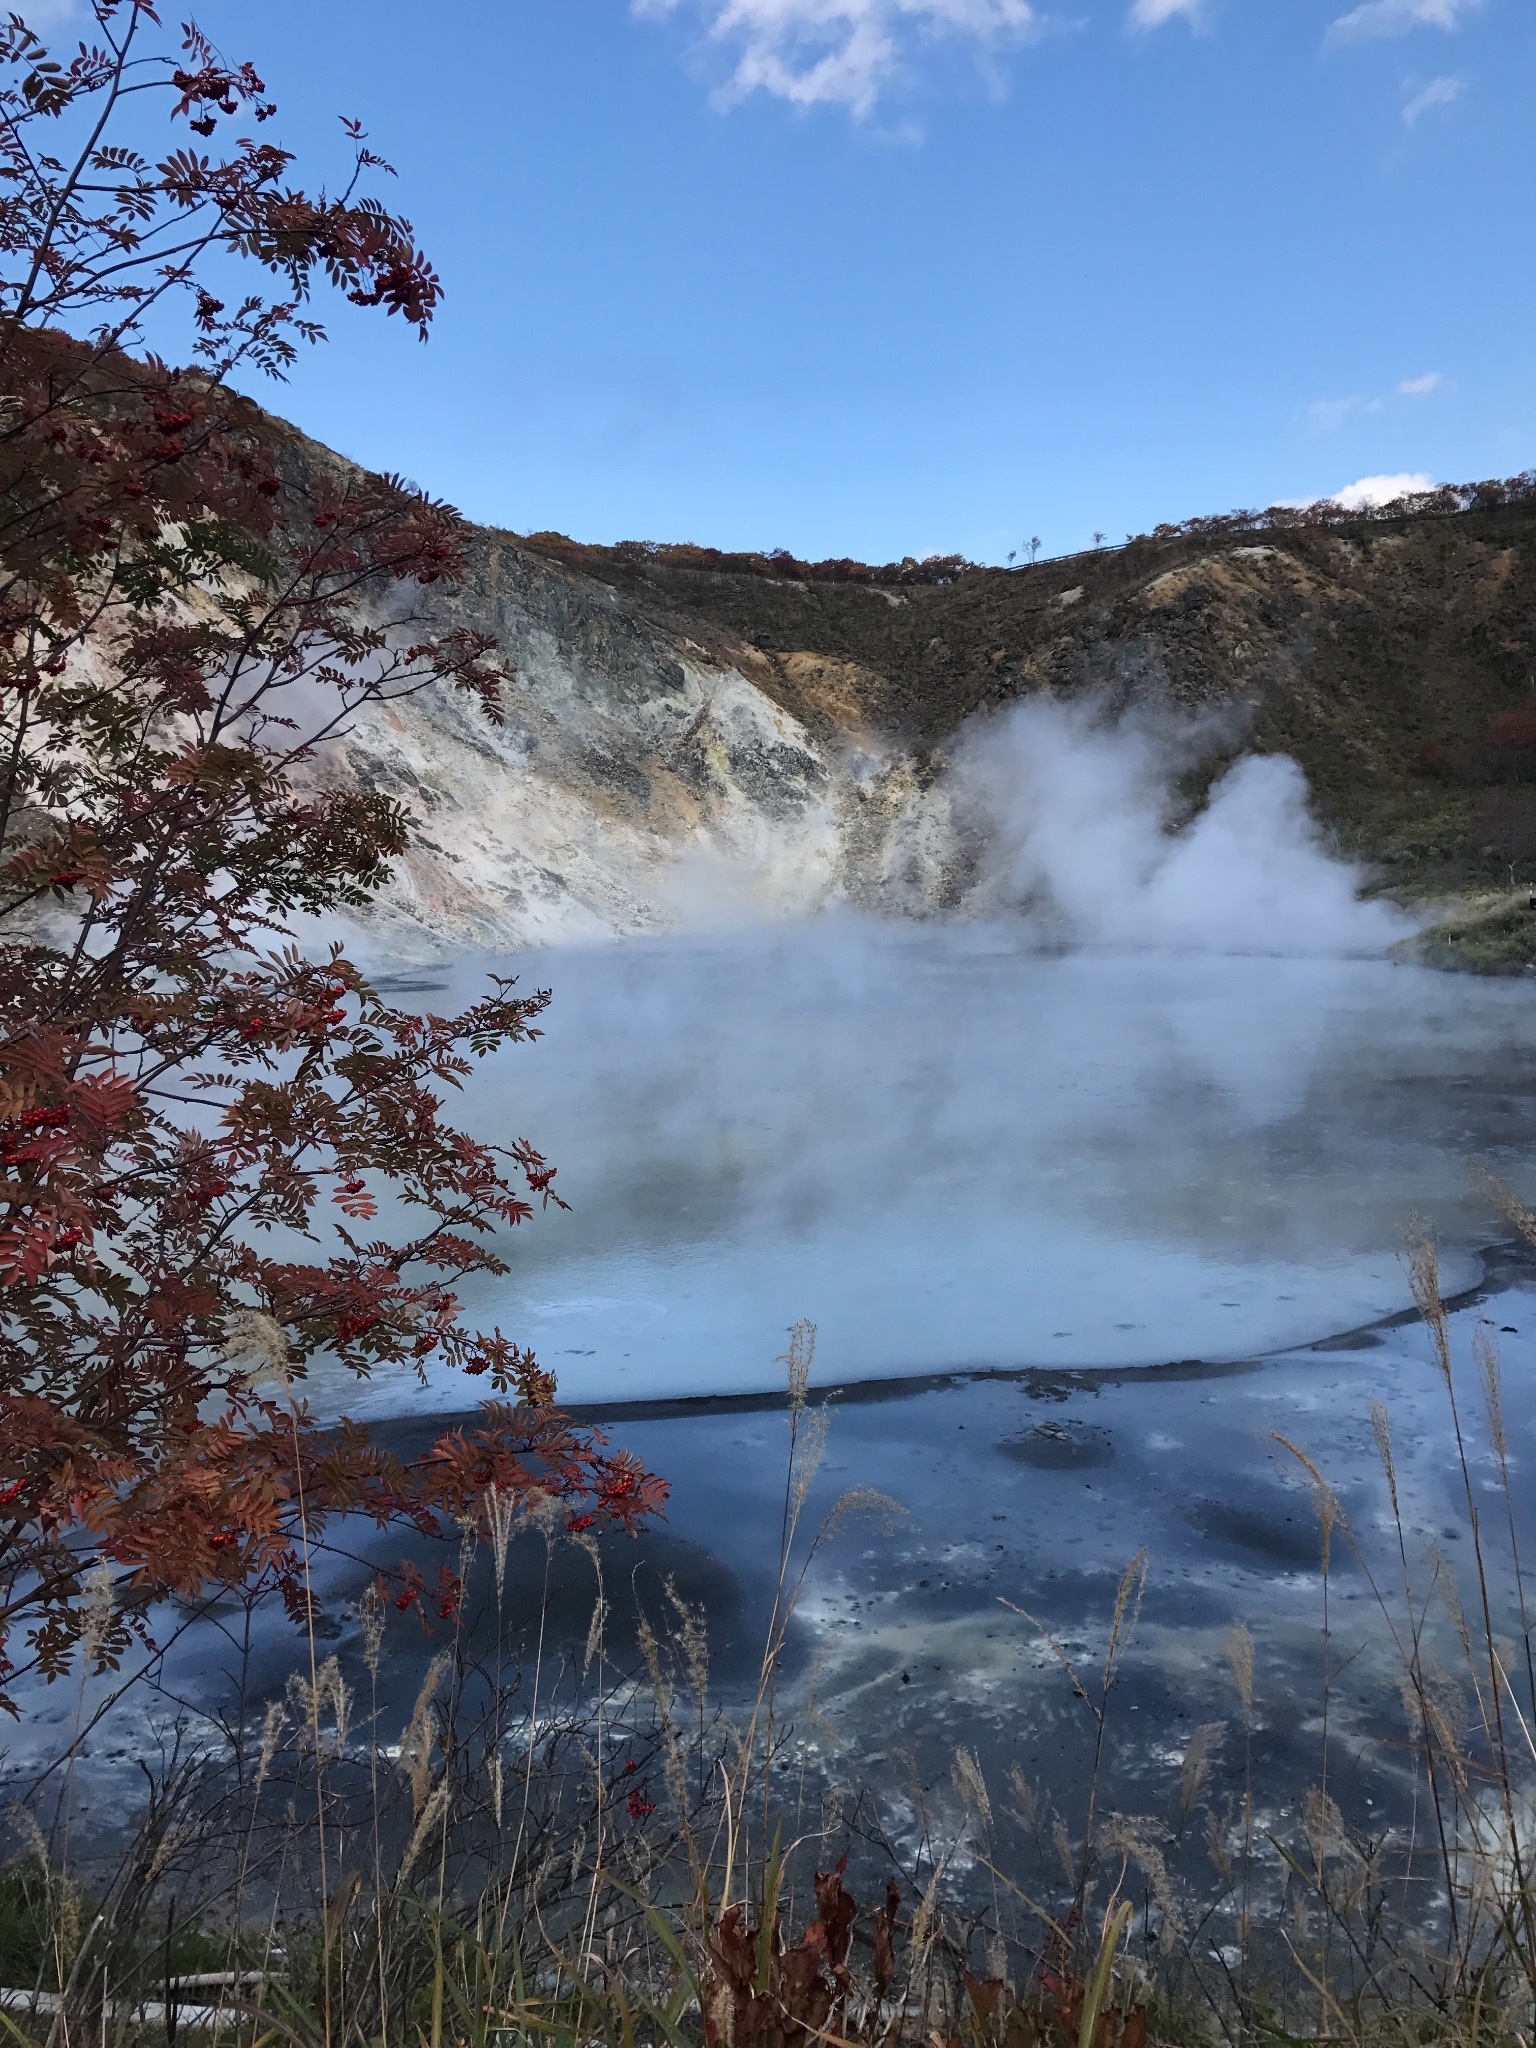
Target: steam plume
x=1072 y=809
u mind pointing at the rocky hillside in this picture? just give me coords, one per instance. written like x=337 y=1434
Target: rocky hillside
x=646 y=775
x=682 y=738
x=1354 y=648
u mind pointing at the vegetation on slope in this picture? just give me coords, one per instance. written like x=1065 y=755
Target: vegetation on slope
x=598 y=1858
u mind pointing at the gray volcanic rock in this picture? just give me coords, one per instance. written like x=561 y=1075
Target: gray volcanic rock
x=642 y=778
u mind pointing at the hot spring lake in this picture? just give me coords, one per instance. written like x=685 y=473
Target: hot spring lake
x=1078 y=1232
x=953 y=1152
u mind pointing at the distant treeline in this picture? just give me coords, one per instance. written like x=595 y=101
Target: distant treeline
x=773 y=562
x=1448 y=498
x=1487 y=496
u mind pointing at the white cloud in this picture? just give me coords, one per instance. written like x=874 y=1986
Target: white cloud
x=1438 y=93
x=1153 y=13
x=840 y=52
x=1396 y=17
x=1381 y=490
x=1420 y=387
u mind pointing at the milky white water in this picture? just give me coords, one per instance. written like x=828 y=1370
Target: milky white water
x=949 y=1150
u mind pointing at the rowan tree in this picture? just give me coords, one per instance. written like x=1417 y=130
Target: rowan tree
x=201 y=1125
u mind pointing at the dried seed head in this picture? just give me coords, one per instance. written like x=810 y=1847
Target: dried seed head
x=333 y=1694
x=662 y=1690
x=1203 y=1746
x=1450 y=1593
x=370 y=1617
x=720 y=2012
x=68 y=1925
x=271 y=1730
x=1445 y=1713
x=1026 y=1810
x=1424 y=1279
x=328 y=1695
x=255 y=1341
x=1128 y=1598
x=834 y=1810
x=544 y=1512
x=96 y=1624
x=1239 y=1649
x=863 y=1500
x=1323 y=1824
x=468 y=1526
x=501 y=1515
x=809 y=1452
x=1413 y=1706
x=27 y=1827
x=797 y=1361
x=165 y=1849
x=972 y=1786
x=1325 y=1505
x=420 y=1736
x=1218 y=1828
x=1486 y=1351
x=426 y=1820
x=1136 y=1838
x=922 y=1919
x=1504 y=1199
x=595 y=1628
x=1381 y=1429
x=692 y=1639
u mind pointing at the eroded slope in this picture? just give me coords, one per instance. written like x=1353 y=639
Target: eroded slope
x=1351 y=648
x=680 y=738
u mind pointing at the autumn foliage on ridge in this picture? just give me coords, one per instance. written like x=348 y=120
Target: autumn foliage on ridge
x=200 y=1125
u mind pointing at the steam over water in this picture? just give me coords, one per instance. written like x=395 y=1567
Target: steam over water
x=951 y=1150
x=1156 y=1096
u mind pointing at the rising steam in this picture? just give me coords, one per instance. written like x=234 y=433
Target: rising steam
x=1071 y=810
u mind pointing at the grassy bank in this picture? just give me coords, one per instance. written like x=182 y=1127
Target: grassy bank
x=1486 y=933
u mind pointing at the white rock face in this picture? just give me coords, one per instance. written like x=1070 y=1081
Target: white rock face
x=643 y=782
x=639 y=783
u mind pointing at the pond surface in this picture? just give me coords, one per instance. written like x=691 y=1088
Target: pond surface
x=952 y=1151
x=1080 y=1233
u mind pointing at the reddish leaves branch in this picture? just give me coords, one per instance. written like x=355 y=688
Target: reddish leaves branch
x=220 y=1161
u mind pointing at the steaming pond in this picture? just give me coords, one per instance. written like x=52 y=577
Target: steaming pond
x=1079 y=1232
x=951 y=1151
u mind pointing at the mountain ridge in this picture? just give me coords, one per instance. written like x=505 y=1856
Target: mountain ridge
x=683 y=733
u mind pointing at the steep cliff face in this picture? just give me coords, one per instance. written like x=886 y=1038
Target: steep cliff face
x=680 y=742
x=642 y=778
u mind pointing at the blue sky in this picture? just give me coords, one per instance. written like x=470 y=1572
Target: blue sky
x=884 y=277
